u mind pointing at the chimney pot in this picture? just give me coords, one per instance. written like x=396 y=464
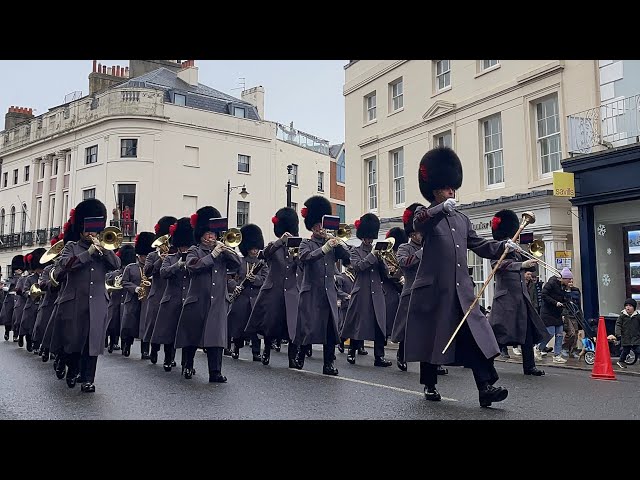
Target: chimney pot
x=117 y=70
x=95 y=62
x=104 y=69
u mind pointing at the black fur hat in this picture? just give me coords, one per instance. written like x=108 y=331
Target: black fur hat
x=504 y=225
x=251 y=238
x=91 y=207
x=368 y=226
x=399 y=235
x=182 y=233
x=407 y=217
x=314 y=209
x=17 y=263
x=69 y=233
x=439 y=168
x=285 y=220
x=162 y=227
x=127 y=254
x=200 y=221
x=143 y=243
x=36 y=255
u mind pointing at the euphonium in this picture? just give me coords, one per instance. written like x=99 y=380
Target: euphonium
x=34 y=292
x=162 y=244
x=391 y=261
x=110 y=238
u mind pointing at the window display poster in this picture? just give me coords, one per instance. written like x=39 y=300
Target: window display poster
x=634 y=273
x=634 y=242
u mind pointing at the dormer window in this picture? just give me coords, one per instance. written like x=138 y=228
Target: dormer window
x=179 y=99
x=240 y=112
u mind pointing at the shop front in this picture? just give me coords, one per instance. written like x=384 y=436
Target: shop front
x=607 y=194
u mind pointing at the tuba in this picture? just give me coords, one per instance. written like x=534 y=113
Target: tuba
x=162 y=244
x=35 y=293
x=110 y=238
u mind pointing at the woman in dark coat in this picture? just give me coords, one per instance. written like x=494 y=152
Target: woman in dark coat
x=152 y=266
x=83 y=302
x=441 y=292
x=176 y=276
x=392 y=285
x=366 y=316
x=132 y=325
x=203 y=321
x=127 y=254
x=50 y=292
x=553 y=298
x=275 y=310
x=32 y=303
x=513 y=317
x=240 y=311
x=6 y=314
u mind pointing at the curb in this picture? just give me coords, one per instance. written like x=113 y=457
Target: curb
x=570 y=367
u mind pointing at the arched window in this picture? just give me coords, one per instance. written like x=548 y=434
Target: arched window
x=2 y=222
x=23 y=225
x=12 y=220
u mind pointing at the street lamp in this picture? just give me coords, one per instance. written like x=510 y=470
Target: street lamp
x=243 y=193
x=289 y=168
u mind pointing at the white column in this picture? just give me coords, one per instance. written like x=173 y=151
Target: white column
x=46 y=182
x=60 y=157
x=552 y=243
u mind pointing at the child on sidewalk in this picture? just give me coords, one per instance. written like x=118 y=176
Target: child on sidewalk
x=628 y=331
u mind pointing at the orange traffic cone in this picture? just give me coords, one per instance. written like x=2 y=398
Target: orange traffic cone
x=602 y=367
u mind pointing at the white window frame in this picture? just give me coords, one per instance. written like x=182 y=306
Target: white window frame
x=239 y=212
x=320 y=181
x=488 y=66
x=341 y=166
x=294 y=174
x=181 y=95
x=493 y=151
x=442 y=136
x=128 y=150
x=247 y=163
x=445 y=75
x=540 y=140
x=370 y=107
x=240 y=109
x=27 y=172
x=91 y=157
x=15 y=176
x=396 y=94
x=371 y=171
x=397 y=177
x=86 y=190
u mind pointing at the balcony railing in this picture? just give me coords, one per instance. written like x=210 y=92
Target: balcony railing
x=302 y=139
x=613 y=124
x=129 y=228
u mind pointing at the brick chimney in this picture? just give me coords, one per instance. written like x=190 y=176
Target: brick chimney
x=16 y=116
x=255 y=96
x=189 y=73
x=103 y=77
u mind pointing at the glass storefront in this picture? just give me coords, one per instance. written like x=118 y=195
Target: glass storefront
x=617 y=255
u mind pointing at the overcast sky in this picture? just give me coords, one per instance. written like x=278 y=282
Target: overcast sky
x=307 y=92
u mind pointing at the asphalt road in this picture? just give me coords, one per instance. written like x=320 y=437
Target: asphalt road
x=129 y=388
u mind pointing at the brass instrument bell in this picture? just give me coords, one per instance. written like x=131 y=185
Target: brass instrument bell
x=53 y=252
x=162 y=243
x=110 y=238
x=35 y=292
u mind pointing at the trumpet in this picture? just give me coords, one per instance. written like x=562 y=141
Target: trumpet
x=34 y=292
x=162 y=244
x=231 y=239
x=342 y=234
x=110 y=238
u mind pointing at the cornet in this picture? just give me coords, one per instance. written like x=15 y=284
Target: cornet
x=342 y=234
x=110 y=238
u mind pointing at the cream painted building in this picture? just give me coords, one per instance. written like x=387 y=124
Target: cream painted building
x=161 y=143
x=506 y=119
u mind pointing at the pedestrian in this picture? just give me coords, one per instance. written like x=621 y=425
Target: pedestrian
x=570 y=321
x=628 y=331
x=553 y=298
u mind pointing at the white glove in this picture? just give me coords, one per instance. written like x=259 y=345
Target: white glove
x=251 y=277
x=449 y=205
x=92 y=249
x=181 y=263
x=217 y=250
x=511 y=246
x=137 y=290
x=529 y=263
x=284 y=236
x=237 y=290
x=326 y=248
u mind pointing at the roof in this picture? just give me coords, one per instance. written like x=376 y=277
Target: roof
x=334 y=150
x=200 y=96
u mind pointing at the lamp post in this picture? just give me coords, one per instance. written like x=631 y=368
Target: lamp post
x=243 y=193
x=289 y=168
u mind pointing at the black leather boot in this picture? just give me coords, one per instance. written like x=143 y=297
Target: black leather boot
x=72 y=378
x=266 y=355
x=45 y=355
x=341 y=347
x=329 y=369
x=21 y=341
x=188 y=373
x=432 y=394
x=153 y=356
x=362 y=351
x=256 y=356
x=441 y=370
x=235 y=353
x=351 y=356
x=88 y=387
x=489 y=394
x=277 y=346
x=217 y=377
x=401 y=365
x=382 y=362
x=300 y=356
x=535 y=372
x=309 y=351
x=126 y=349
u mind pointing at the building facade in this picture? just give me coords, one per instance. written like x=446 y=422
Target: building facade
x=157 y=144
x=504 y=118
x=338 y=179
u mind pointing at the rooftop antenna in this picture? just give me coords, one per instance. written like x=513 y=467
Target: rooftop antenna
x=241 y=81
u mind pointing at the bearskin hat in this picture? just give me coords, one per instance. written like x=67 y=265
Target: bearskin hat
x=439 y=168
x=143 y=243
x=127 y=254
x=91 y=207
x=504 y=225
x=69 y=233
x=368 y=226
x=36 y=255
x=200 y=221
x=314 y=209
x=407 y=217
x=17 y=263
x=399 y=235
x=162 y=227
x=285 y=220
x=182 y=233
x=251 y=238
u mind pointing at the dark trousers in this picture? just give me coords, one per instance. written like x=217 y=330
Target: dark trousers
x=292 y=349
x=7 y=329
x=214 y=359
x=155 y=347
x=127 y=341
x=83 y=363
x=188 y=354
x=484 y=372
x=169 y=353
x=144 y=347
x=528 y=360
x=626 y=349
x=255 y=343
x=400 y=354
x=378 y=343
x=113 y=339
x=329 y=347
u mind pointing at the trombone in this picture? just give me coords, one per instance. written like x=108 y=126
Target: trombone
x=536 y=252
x=231 y=239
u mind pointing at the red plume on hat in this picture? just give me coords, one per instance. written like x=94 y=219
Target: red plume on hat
x=53 y=241
x=495 y=222
x=136 y=239
x=194 y=220
x=406 y=216
x=274 y=220
x=29 y=257
x=72 y=216
x=303 y=212
x=423 y=173
x=357 y=224
x=172 y=229
x=118 y=253
x=388 y=233
x=156 y=228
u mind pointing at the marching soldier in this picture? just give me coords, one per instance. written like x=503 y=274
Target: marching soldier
x=441 y=291
x=344 y=285
x=152 y=266
x=318 y=302
x=252 y=243
x=83 y=302
x=275 y=311
x=32 y=302
x=513 y=317
x=19 y=302
x=391 y=284
x=135 y=293
x=6 y=314
x=127 y=254
x=366 y=316
x=175 y=274
x=203 y=321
